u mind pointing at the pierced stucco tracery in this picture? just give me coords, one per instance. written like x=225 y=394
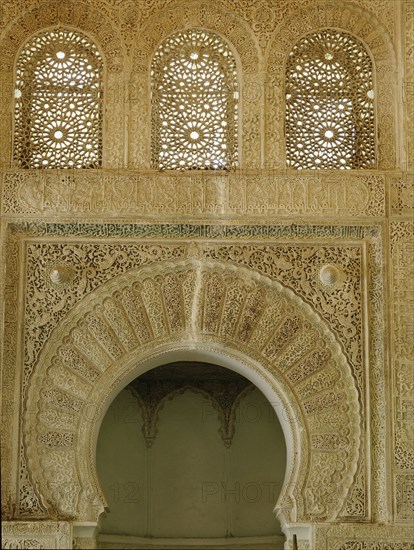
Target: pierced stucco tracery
x=349 y=19
x=194 y=103
x=100 y=30
x=58 y=107
x=329 y=103
x=213 y=18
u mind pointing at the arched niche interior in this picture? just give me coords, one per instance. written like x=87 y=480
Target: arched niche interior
x=191 y=450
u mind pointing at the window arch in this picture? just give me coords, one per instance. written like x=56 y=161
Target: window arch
x=194 y=103
x=329 y=103
x=58 y=102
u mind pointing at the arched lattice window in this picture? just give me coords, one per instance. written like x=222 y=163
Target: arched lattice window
x=194 y=103
x=329 y=103
x=58 y=107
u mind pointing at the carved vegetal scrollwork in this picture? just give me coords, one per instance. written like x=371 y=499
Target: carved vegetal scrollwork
x=402 y=194
x=402 y=246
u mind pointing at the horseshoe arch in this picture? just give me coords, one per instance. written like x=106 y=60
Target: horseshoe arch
x=210 y=311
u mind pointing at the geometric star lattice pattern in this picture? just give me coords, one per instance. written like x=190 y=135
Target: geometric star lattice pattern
x=58 y=102
x=194 y=103
x=329 y=103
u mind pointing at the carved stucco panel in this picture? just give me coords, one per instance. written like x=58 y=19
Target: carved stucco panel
x=246 y=195
x=402 y=194
x=363 y=537
x=115 y=121
x=404 y=497
x=6 y=116
x=33 y=535
x=296 y=268
x=402 y=277
x=408 y=91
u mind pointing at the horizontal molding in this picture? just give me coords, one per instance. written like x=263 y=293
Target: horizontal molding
x=260 y=194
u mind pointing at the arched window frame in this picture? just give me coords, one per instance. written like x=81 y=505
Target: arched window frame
x=367 y=52
x=235 y=157
x=26 y=163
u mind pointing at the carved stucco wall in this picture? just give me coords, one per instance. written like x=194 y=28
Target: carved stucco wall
x=37 y=535
x=284 y=226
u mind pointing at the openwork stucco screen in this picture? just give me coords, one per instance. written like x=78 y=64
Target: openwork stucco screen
x=329 y=103
x=194 y=103
x=58 y=108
